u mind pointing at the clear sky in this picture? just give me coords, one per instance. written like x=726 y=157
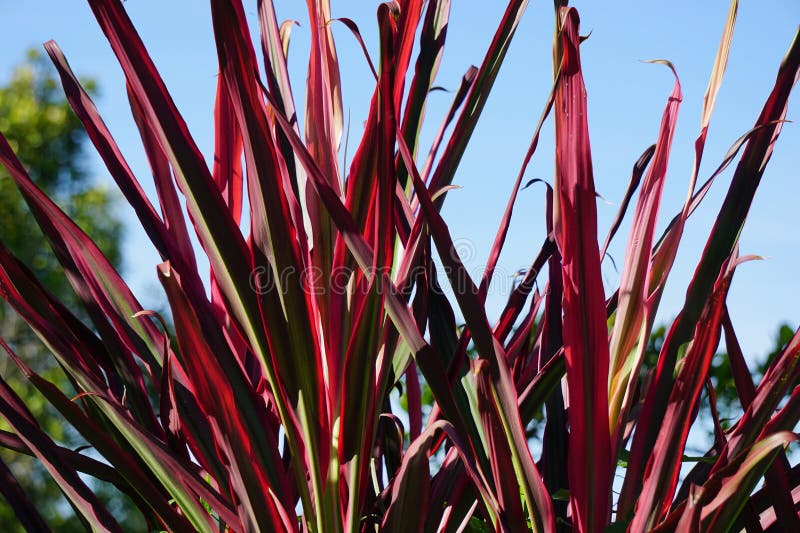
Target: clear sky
x=626 y=99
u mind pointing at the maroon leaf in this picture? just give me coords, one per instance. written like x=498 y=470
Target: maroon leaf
x=585 y=335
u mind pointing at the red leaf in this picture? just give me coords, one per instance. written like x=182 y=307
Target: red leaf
x=227 y=170
x=585 y=333
x=663 y=467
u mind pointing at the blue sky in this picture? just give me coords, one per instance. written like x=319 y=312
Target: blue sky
x=626 y=99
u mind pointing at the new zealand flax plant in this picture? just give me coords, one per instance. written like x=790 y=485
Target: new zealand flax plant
x=267 y=408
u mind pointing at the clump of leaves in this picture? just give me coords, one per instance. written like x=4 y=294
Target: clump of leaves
x=48 y=138
x=273 y=399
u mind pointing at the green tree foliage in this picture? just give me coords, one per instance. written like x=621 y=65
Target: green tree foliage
x=50 y=141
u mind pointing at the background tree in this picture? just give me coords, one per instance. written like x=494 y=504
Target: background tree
x=50 y=141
